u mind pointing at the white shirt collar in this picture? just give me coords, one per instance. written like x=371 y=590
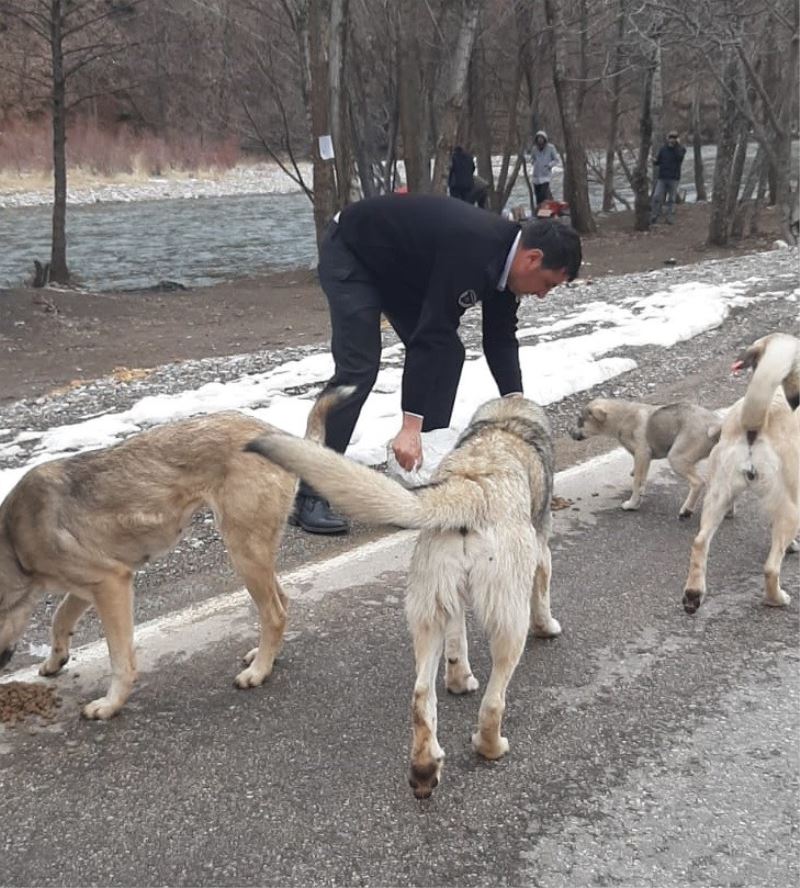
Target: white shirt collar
x=502 y=284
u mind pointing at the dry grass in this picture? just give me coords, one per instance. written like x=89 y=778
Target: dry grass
x=97 y=156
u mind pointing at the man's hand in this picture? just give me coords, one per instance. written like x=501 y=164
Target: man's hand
x=407 y=444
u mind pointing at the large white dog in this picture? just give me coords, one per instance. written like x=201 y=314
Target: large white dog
x=759 y=448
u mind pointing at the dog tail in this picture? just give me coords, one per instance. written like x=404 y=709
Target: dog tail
x=361 y=492
x=777 y=364
x=329 y=398
x=368 y=495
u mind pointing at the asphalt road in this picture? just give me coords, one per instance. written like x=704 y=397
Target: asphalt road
x=648 y=747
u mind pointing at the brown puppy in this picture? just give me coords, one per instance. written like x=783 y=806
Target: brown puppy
x=83 y=525
x=759 y=449
x=684 y=433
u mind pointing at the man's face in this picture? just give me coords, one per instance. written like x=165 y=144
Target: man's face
x=528 y=277
x=672 y=140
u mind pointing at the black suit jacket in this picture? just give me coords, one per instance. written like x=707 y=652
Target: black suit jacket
x=437 y=256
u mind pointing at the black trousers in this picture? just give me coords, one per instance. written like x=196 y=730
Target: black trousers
x=461 y=193
x=542 y=192
x=356 y=304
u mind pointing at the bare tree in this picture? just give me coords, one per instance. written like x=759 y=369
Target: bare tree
x=614 y=110
x=75 y=35
x=567 y=95
x=697 y=147
x=455 y=86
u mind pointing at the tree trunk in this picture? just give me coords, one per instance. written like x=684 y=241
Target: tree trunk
x=745 y=201
x=659 y=131
x=340 y=132
x=479 y=125
x=325 y=191
x=616 y=85
x=737 y=169
x=455 y=93
x=58 y=253
x=719 y=224
x=576 y=184
x=640 y=179
x=697 y=148
x=414 y=110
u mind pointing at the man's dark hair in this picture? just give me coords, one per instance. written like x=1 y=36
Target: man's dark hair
x=560 y=244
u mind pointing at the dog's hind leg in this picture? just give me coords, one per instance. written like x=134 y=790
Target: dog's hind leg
x=784 y=527
x=113 y=599
x=686 y=468
x=543 y=624
x=718 y=501
x=67 y=614
x=254 y=559
x=458 y=673
x=507 y=644
x=641 y=466
x=427 y=756
x=271 y=602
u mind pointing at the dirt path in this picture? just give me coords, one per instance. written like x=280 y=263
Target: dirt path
x=51 y=339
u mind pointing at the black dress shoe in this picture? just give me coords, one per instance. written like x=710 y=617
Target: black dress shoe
x=314 y=515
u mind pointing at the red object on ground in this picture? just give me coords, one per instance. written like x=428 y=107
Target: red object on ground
x=402 y=189
x=550 y=208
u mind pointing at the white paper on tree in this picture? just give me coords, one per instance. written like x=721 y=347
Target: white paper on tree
x=326 y=147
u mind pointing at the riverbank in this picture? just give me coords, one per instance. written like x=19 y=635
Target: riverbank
x=52 y=339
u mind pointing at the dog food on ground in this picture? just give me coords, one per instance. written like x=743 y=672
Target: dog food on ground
x=19 y=699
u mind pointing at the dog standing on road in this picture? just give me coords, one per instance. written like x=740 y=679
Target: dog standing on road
x=684 y=433
x=82 y=525
x=485 y=524
x=760 y=449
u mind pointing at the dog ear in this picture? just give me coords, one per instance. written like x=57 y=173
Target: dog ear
x=597 y=412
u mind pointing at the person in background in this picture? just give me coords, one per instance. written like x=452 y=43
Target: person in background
x=543 y=158
x=422 y=260
x=462 y=170
x=668 y=161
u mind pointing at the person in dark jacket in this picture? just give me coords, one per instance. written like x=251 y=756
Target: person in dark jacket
x=668 y=161
x=422 y=261
x=462 y=170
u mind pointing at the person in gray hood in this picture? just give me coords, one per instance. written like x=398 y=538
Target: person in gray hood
x=543 y=158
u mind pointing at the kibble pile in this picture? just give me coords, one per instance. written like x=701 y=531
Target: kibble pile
x=20 y=699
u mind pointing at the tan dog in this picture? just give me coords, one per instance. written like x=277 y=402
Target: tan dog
x=83 y=525
x=759 y=449
x=683 y=433
x=485 y=523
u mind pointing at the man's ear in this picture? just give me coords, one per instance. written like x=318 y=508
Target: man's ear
x=533 y=257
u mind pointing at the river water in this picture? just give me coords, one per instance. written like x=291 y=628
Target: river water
x=197 y=242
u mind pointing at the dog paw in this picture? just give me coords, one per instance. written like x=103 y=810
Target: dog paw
x=551 y=629
x=462 y=684
x=490 y=750
x=251 y=678
x=631 y=505
x=53 y=664
x=100 y=709
x=691 y=600
x=793 y=548
x=684 y=514
x=782 y=598
x=424 y=777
